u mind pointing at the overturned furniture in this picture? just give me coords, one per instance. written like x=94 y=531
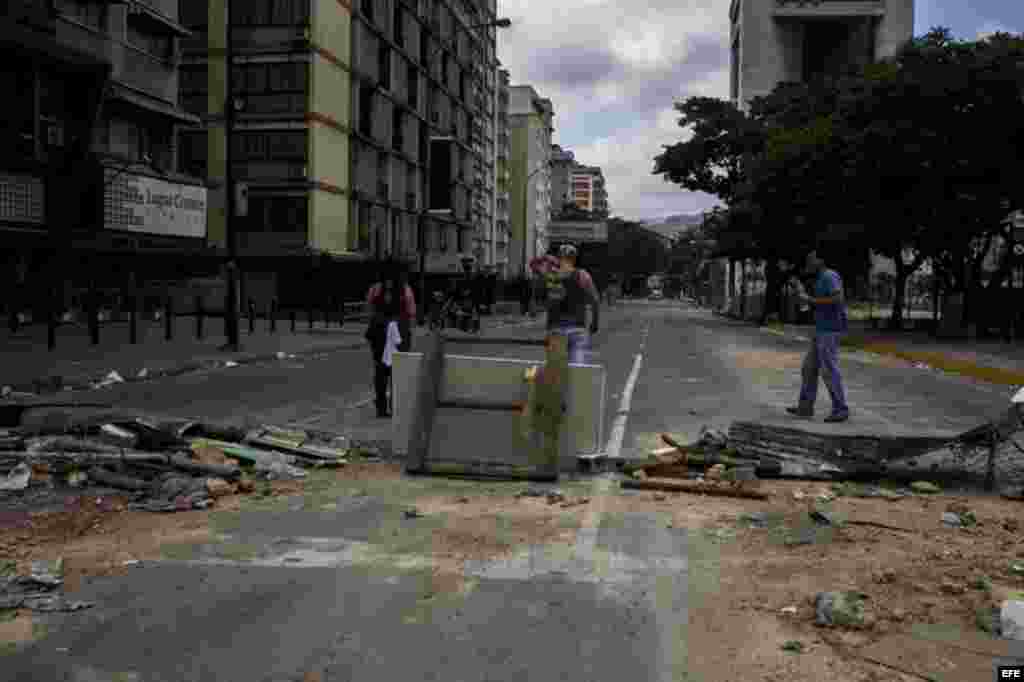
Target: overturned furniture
x=495 y=417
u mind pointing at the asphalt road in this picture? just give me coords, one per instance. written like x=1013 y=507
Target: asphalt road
x=305 y=597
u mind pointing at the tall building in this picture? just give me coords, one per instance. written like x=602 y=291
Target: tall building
x=503 y=176
x=562 y=163
x=532 y=123
x=88 y=154
x=777 y=41
x=339 y=108
x=575 y=184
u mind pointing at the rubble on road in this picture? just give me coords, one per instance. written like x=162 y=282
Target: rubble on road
x=840 y=609
x=37 y=591
x=164 y=465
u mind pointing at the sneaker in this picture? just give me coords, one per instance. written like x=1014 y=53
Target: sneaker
x=836 y=418
x=800 y=412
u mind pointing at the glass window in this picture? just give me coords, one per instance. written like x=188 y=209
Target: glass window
x=287 y=145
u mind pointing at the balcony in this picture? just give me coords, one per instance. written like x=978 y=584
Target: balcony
x=130 y=67
x=828 y=9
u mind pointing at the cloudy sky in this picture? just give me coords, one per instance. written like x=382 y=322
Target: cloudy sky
x=614 y=70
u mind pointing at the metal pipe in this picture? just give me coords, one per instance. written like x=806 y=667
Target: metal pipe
x=230 y=272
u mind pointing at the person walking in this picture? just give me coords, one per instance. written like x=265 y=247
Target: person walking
x=392 y=314
x=569 y=291
x=822 y=359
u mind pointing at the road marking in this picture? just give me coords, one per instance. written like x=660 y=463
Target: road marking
x=586 y=537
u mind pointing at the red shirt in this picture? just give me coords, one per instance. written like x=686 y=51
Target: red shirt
x=408 y=300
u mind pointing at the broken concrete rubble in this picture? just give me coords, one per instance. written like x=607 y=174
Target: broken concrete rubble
x=840 y=609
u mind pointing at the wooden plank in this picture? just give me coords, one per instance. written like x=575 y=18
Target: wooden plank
x=425 y=405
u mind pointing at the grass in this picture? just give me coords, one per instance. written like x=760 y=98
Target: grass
x=993 y=375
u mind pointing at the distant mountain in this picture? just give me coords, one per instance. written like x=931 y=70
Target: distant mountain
x=672 y=225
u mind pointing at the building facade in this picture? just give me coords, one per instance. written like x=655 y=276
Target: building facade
x=563 y=161
x=576 y=185
x=532 y=124
x=338 y=108
x=89 y=196
x=502 y=234
x=775 y=41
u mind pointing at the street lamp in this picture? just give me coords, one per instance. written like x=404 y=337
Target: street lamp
x=421 y=226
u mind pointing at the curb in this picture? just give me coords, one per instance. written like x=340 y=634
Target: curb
x=53 y=384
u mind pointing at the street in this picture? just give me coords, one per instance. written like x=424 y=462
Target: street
x=332 y=583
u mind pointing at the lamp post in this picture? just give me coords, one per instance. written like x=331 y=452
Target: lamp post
x=424 y=209
x=231 y=267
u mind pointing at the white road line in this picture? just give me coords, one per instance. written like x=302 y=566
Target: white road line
x=586 y=537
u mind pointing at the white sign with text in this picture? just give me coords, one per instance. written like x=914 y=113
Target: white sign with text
x=138 y=203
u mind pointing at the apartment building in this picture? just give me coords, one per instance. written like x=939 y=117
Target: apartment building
x=532 y=125
x=774 y=41
x=502 y=231
x=339 y=107
x=587 y=190
x=88 y=154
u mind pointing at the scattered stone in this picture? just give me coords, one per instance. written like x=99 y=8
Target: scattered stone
x=713 y=438
x=951 y=519
x=982 y=583
x=788 y=611
x=246 y=486
x=885 y=577
x=461 y=500
x=143 y=373
x=48 y=574
x=76 y=479
x=794 y=646
x=824 y=496
x=798 y=495
x=231 y=363
x=1017 y=569
x=827 y=518
x=412 y=514
x=555 y=496
x=899 y=615
x=840 y=609
x=925 y=488
x=658 y=497
x=1011 y=525
x=1011 y=620
x=218 y=487
x=640 y=474
x=756 y=519
x=17 y=478
x=951 y=587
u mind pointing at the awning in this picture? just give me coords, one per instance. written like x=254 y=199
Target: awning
x=163 y=21
x=34 y=43
x=143 y=101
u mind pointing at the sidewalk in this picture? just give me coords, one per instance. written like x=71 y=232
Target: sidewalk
x=993 y=361
x=26 y=366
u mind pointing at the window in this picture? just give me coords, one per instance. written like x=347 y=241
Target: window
x=384 y=66
x=399 y=26
x=192 y=89
x=366 y=96
x=272 y=88
x=192 y=153
x=398 y=131
x=150 y=43
x=92 y=14
x=269 y=146
x=413 y=76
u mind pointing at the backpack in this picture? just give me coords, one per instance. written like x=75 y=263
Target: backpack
x=555 y=286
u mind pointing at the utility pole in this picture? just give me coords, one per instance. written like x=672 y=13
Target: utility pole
x=231 y=267
x=425 y=208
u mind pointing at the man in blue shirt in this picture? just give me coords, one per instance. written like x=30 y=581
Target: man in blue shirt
x=830 y=323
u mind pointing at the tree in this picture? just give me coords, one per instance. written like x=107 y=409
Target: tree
x=634 y=250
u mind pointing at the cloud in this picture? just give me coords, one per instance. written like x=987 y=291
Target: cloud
x=990 y=28
x=613 y=72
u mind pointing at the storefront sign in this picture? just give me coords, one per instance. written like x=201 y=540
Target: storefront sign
x=21 y=199
x=138 y=203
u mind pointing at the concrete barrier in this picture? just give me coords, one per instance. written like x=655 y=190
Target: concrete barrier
x=491 y=436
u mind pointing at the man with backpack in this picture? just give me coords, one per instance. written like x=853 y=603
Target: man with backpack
x=570 y=290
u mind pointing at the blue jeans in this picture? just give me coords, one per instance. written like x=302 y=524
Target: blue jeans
x=823 y=360
x=578 y=342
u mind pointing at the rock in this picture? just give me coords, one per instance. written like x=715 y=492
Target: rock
x=555 y=496
x=885 y=576
x=798 y=495
x=48 y=574
x=793 y=646
x=987 y=618
x=788 y=611
x=1011 y=525
x=17 y=479
x=412 y=514
x=218 y=487
x=925 y=488
x=826 y=518
x=951 y=587
x=899 y=615
x=713 y=438
x=246 y=486
x=756 y=519
x=951 y=519
x=640 y=474
x=461 y=500
x=840 y=609
x=658 y=497
x=1011 y=620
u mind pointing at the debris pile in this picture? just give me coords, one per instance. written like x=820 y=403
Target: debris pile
x=39 y=590
x=166 y=466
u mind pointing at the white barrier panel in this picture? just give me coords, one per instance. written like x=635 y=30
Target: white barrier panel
x=488 y=435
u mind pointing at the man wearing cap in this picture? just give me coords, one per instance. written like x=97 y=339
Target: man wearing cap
x=569 y=291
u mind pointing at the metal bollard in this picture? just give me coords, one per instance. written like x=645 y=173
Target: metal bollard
x=133 y=319
x=169 y=319
x=199 y=317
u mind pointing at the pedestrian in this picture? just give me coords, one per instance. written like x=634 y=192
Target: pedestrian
x=399 y=275
x=822 y=359
x=388 y=306
x=569 y=291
